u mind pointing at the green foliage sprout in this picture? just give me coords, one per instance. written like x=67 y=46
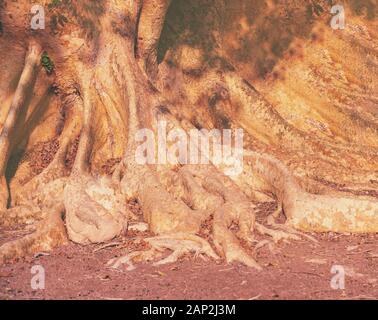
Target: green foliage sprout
x=47 y=63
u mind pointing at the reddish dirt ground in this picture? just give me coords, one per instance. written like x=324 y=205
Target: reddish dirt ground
x=299 y=270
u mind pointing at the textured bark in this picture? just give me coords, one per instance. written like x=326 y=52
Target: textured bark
x=150 y=26
x=24 y=87
x=110 y=85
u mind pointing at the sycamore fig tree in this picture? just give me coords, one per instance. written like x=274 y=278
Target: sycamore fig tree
x=75 y=95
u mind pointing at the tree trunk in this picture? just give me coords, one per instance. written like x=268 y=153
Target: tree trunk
x=111 y=83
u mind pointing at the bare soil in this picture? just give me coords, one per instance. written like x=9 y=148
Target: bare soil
x=299 y=270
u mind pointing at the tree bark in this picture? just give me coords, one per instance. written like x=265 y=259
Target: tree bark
x=110 y=73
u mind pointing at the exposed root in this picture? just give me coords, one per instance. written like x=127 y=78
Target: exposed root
x=161 y=210
x=227 y=243
x=49 y=234
x=311 y=212
x=196 y=196
x=277 y=235
x=107 y=245
x=271 y=221
x=26 y=214
x=175 y=200
x=234 y=208
x=138 y=227
x=262 y=243
x=116 y=263
x=95 y=212
x=180 y=244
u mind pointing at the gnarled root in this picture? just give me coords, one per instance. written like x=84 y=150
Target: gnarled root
x=234 y=207
x=128 y=259
x=161 y=210
x=277 y=235
x=50 y=233
x=271 y=221
x=202 y=196
x=311 y=212
x=174 y=211
x=95 y=212
x=179 y=243
x=226 y=241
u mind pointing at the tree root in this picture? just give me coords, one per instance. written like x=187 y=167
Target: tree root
x=161 y=210
x=312 y=212
x=25 y=214
x=234 y=208
x=50 y=233
x=277 y=235
x=271 y=221
x=175 y=200
x=95 y=212
x=205 y=195
x=179 y=243
x=116 y=263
